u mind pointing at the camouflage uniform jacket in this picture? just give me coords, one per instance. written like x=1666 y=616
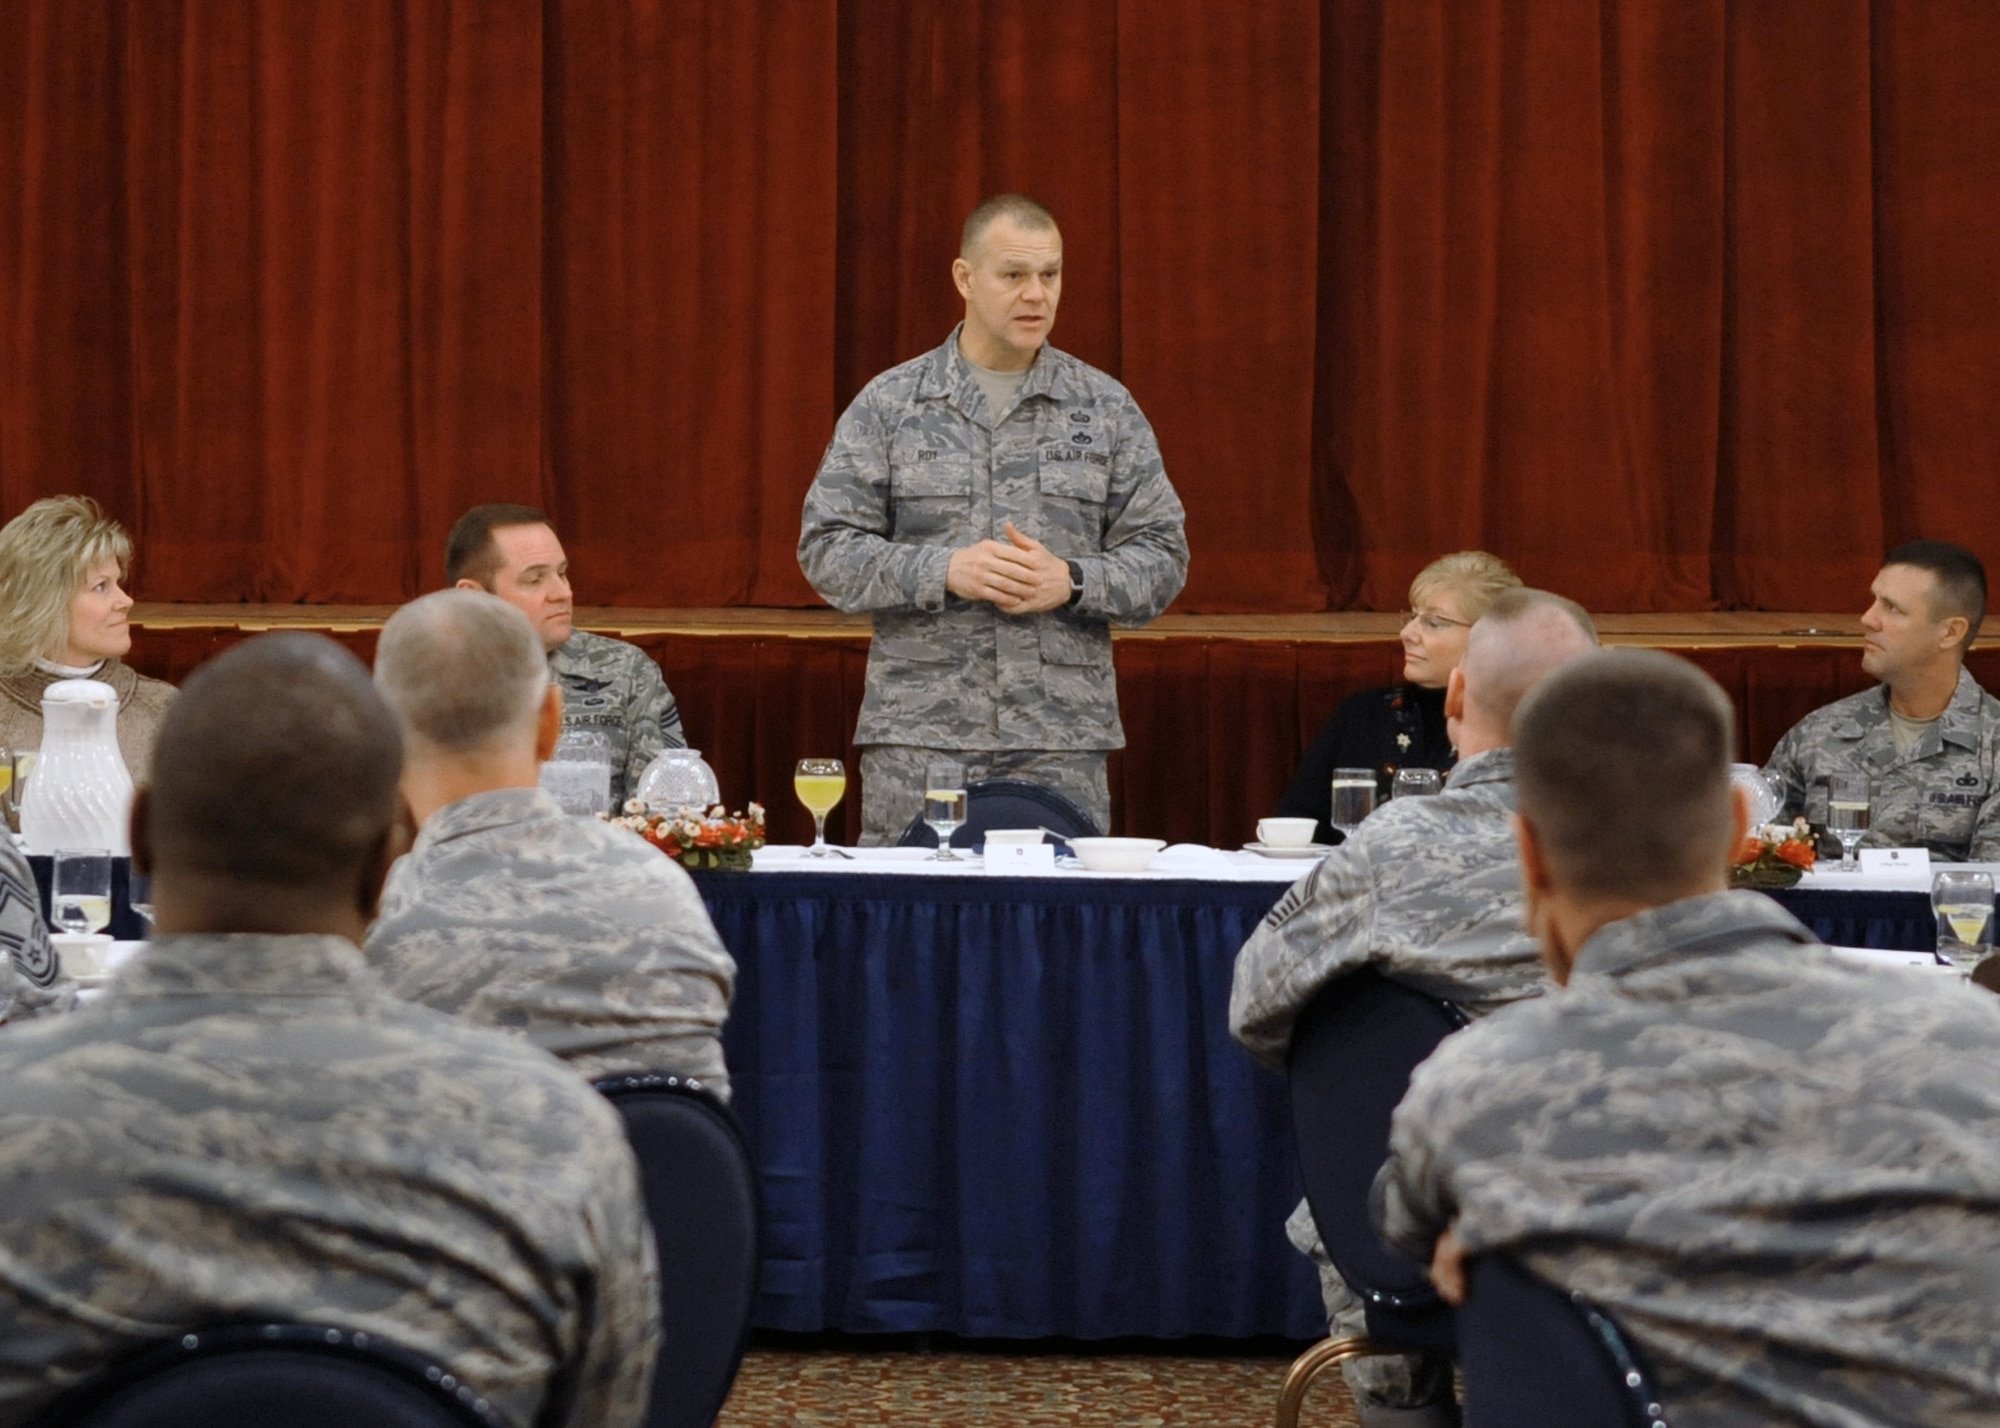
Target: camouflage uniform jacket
x=1943 y=795
x=920 y=467
x=32 y=981
x=613 y=688
x=1428 y=890
x=250 y=1127
x=1781 y=1174
x=580 y=936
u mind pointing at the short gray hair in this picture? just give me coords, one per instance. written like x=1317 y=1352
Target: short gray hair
x=1523 y=637
x=463 y=670
x=1621 y=762
x=1015 y=206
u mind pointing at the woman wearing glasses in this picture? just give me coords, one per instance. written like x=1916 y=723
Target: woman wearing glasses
x=63 y=615
x=1402 y=726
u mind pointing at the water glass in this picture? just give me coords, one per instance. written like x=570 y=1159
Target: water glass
x=1847 y=810
x=1353 y=799
x=944 y=804
x=139 y=893
x=1963 y=902
x=1416 y=783
x=82 y=888
x=820 y=784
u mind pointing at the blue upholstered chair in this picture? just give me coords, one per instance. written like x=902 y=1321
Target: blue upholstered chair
x=1353 y=1050
x=1535 y=1357
x=702 y=1200
x=1005 y=803
x=258 y=1375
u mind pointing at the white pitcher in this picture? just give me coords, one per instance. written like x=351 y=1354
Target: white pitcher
x=80 y=794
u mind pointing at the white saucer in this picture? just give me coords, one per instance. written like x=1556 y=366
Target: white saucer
x=1310 y=850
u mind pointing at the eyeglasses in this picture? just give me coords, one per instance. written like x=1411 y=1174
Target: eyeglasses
x=1435 y=623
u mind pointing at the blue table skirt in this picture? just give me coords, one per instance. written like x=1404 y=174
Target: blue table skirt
x=1011 y=1108
x=1008 y=1108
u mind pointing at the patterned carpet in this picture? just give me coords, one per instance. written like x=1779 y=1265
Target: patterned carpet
x=1019 y=1386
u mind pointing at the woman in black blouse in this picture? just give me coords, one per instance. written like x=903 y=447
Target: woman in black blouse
x=1402 y=726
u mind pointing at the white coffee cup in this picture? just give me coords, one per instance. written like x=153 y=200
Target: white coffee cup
x=1285 y=832
x=81 y=953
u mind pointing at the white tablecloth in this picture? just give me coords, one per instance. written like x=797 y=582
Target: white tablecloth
x=1180 y=861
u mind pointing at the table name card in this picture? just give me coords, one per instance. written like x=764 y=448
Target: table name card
x=1020 y=857
x=1895 y=860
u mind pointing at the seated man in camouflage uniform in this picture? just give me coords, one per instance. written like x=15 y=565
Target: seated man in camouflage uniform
x=248 y=1127
x=580 y=936
x=1428 y=892
x=996 y=505
x=1780 y=1173
x=609 y=687
x=1927 y=737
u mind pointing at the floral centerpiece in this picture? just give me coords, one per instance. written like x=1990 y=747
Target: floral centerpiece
x=1774 y=856
x=715 y=839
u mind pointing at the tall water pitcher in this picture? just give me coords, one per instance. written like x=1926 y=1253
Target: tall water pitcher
x=80 y=794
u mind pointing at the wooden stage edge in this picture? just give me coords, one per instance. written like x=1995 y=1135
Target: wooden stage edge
x=1692 y=630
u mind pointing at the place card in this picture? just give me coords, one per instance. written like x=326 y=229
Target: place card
x=1020 y=858
x=1895 y=860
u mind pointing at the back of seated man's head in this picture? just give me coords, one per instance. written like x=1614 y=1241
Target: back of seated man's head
x=276 y=768
x=1959 y=578
x=1524 y=635
x=465 y=673
x=1621 y=765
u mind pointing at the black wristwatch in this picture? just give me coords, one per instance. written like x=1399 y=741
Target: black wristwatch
x=1075 y=585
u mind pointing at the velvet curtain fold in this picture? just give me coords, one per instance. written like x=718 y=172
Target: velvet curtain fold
x=1674 y=303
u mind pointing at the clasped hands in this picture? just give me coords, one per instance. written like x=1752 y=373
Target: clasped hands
x=1020 y=575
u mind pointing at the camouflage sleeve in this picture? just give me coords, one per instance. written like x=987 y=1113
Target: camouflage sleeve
x=1145 y=559
x=1786 y=767
x=1986 y=831
x=1321 y=928
x=652 y=720
x=615 y=1374
x=1411 y=1203
x=845 y=545
x=35 y=984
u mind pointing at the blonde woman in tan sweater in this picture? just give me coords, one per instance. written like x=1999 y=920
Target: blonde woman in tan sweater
x=63 y=615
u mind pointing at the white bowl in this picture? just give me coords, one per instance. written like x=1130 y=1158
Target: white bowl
x=1116 y=855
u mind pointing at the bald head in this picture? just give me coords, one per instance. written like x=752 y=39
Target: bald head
x=276 y=768
x=1622 y=765
x=1524 y=636
x=464 y=672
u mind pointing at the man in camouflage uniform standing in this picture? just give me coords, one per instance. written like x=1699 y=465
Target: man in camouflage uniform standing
x=609 y=687
x=1927 y=737
x=249 y=1127
x=1780 y=1173
x=576 y=934
x=996 y=505
x=1427 y=891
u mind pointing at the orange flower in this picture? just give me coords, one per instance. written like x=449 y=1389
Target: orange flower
x=1798 y=854
x=1748 y=851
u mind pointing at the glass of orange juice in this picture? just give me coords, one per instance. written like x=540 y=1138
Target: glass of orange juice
x=819 y=784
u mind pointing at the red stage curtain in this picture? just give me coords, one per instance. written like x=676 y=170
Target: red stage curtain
x=1672 y=302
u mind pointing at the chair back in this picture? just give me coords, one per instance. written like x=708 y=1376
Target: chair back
x=1005 y=803
x=256 y=1375
x=1353 y=1050
x=1535 y=1357
x=702 y=1200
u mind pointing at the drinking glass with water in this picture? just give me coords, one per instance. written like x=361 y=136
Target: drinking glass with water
x=944 y=804
x=1847 y=809
x=1353 y=799
x=1963 y=902
x=82 y=888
